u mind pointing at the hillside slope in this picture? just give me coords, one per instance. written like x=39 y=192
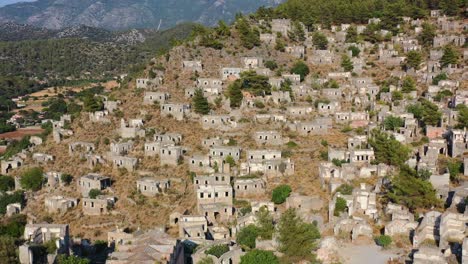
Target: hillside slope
x=125 y=14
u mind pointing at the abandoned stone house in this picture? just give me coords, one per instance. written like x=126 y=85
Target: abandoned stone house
x=296 y=51
x=271 y=168
x=353 y=228
x=80 y=147
x=132 y=129
x=224 y=151
x=9 y=165
x=230 y=73
x=177 y=111
x=263 y=154
x=192 y=66
x=275 y=81
x=13 y=209
x=442 y=40
x=38 y=234
x=100 y=117
x=121 y=148
x=304 y=205
x=99 y=206
x=142 y=83
x=282 y=26
x=299 y=110
x=59 y=133
x=357 y=142
x=151 y=187
x=93 y=181
x=218 y=122
x=328 y=108
x=128 y=163
x=322 y=57
x=363 y=200
x=355 y=119
x=457 y=142
x=213 y=141
x=249 y=187
x=332 y=93
x=315 y=127
x=302 y=92
x=215 y=200
x=170 y=155
x=269 y=137
x=294 y=78
x=209 y=83
x=191 y=226
x=252 y=62
x=452 y=229
x=269 y=39
x=59 y=204
x=152 y=97
x=42 y=157
x=206 y=164
x=428 y=229
x=280 y=97
x=153 y=148
x=111 y=106
x=53 y=179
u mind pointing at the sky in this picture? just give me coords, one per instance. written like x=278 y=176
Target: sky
x=7 y=2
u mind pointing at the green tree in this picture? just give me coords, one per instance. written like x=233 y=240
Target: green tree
x=280 y=194
x=387 y=149
x=297 y=33
x=300 y=68
x=66 y=178
x=32 y=179
x=340 y=206
x=383 y=241
x=409 y=190
x=450 y=56
x=408 y=85
x=439 y=77
x=218 y=250
x=345 y=189
x=92 y=103
x=280 y=45
x=296 y=238
x=8 y=250
x=320 y=41
x=63 y=259
x=7 y=183
x=426 y=37
x=354 y=51
x=200 y=103
x=413 y=59
x=454 y=167
x=206 y=260
x=451 y=7
x=247 y=235
x=255 y=83
x=258 y=256
x=351 y=35
x=393 y=123
x=222 y=29
x=462 y=116
x=93 y=193
x=346 y=63
x=250 y=37
x=272 y=65
x=426 y=112
x=265 y=227
x=234 y=93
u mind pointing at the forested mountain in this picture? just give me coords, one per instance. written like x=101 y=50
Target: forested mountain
x=126 y=14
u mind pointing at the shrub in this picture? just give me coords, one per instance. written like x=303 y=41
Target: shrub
x=247 y=236
x=258 y=256
x=32 y=179
x=300 y=68
x=340 y=206
x=66 y=179
x=63 y=259
x=345 y=189
x=280 y=194
x=7 y=183
x=93 y=193
x=218 y=250
x=383 y=241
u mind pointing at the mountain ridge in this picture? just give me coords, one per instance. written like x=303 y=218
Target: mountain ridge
x=126 y=14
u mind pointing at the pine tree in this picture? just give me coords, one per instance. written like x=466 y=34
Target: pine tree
x=450 y=56
x=351 y=35
x=235 y=94
x=413 y=59
x=346 y=63
x=200 y=103
x=409 y=85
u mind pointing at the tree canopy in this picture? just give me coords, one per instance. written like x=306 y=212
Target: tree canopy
x=258 y=256
x=387 y=149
